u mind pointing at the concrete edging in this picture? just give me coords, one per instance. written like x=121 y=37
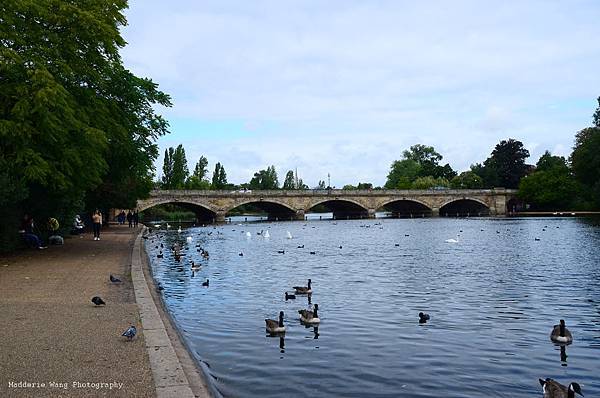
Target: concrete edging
x=169 y=378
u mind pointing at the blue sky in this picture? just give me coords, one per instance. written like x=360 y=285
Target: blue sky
x=343 y=87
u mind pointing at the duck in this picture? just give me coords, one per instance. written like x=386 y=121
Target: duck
x=301 y=247
x=159 y=255
x=195 y=266
x=423 y=318
x=560 y=334
x=281 y=251
x=312 y=252
x=553 y=389
x=274 y=326
x=307 y=316
x=205 y=283
x=303 y=289
x=289 y=296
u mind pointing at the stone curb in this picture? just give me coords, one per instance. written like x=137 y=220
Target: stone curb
x=167 y=372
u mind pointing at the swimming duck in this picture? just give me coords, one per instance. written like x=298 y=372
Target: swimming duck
x=560 y=334
x=274 y=326
x=553 y=389
x=303 y=289
x=281 y=251
x=307 y=316
x=205 y=283
x=423 y=318
x=159 y=255
x=301 y=247
x=289 y=296
x=195 y=266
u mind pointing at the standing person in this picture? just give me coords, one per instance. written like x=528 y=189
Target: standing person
x=130 y=219
x=136 y=218
x=122 y=217
x=97 y=220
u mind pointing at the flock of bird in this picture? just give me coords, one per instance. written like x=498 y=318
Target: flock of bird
x=97 y=300
x=560 y=335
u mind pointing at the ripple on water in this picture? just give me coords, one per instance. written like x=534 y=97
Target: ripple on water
x=493 y=298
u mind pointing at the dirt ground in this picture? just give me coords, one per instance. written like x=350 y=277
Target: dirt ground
x=54 y=338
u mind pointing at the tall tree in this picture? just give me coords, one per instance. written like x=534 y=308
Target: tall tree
x=290 y=180
x=506 y=165
x=265 y=179
x=198 y=179
x=585 y=160
x=180 y=168
x=74 y=123
x=402 y=174
x=219 y=178
x=467 y=180
x=167 y=177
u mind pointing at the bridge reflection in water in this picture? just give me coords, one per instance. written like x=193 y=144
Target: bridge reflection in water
x=215 y=206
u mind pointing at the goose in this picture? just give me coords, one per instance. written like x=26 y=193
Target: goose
x=423 y=318
x=451 y=240
x=289 y=296
x=307 y=316
x=274 y=326
x=553 y=389
x=195 y=266
x=304 y=289
x=205 y=283
x=560 y=334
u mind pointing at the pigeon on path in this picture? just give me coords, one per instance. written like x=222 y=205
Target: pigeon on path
x=130 y=332
x=98 y=301
x=114 y=280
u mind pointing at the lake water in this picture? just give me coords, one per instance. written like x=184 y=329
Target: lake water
x=493 y=298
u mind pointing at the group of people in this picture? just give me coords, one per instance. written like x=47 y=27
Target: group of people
x=132 y=218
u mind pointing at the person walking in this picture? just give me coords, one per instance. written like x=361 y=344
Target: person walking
x=136 y=218
x=130 y=219
x=97 y=220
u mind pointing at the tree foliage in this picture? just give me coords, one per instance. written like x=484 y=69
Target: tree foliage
x=265 y=179
x=506 y=165
x=467 y=180
x=199 y=177
x=74 y=123
x=418 y=161
x=219 y=178
x=585 y=160
x=290 y=181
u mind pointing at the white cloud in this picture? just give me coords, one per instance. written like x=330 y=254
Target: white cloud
x=344 y=86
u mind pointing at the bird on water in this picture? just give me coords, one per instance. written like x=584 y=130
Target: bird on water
x=553 y=389
x=423 y=318
x=303 y=289
x=98 y=301
x=275 y=326
x=289 y=296
x=307 y=316
x=205 y=283
x=130 y=332
x=560 y=334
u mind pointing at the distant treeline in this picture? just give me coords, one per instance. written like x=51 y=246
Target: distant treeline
x=552 y=183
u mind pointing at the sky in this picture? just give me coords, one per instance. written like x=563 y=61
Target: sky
x=343 y=87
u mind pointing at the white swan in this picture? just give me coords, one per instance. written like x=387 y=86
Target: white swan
x=266 y=234
x=248 y=235
x=289 y=235
x=179 y=230
x=451 y=240
x=188 y=239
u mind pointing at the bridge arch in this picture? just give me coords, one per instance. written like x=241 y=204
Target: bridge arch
x=204 y=212
x=407 y=207
x=464 y=207
x=342 y=208
x=275 y=209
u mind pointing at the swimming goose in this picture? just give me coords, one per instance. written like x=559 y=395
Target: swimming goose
x=423 y=318
x=289 y=296
x=274 y=326
x=553 y=389
x=195 y=266
x=560 y=334
x=303 y=289
x=307 y=316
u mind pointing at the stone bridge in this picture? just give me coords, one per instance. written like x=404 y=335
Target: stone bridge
x=344 y=204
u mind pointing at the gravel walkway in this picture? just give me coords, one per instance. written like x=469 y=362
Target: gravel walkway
x=54 y=338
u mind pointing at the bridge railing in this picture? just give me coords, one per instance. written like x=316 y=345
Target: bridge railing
x=335 y=192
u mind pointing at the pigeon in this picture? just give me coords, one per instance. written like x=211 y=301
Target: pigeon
x=98 y=301
x=130 y=332
x=114 y=280
x=205 y=283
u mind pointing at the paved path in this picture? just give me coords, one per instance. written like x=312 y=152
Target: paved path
x=51 y=332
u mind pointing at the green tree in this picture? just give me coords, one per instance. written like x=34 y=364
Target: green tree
x=265 y=179
x=219 y=178
x=506 y=165
x=74 y=123
x=321 y=185
x=180 y=168
x=290 y=181
x=466 y=180
x=430 y=182
x=585 y=160
x=167 y=177
x=348 y=187
x=549 y=162
x=402 y=174
x=364 y=185
x=198 y=179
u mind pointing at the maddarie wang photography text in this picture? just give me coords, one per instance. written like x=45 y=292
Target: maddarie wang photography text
x=66 y=385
